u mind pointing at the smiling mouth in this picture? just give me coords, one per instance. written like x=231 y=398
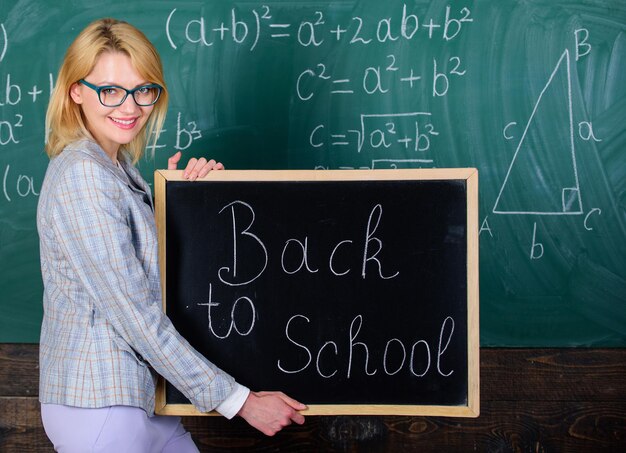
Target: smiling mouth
x=124 y=123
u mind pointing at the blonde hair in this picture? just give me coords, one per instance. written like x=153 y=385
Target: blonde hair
x=64 y=120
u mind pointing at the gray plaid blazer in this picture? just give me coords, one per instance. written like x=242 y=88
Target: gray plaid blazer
x=104 y=333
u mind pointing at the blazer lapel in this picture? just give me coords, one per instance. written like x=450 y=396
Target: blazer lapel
x=133 y=173
x=137 y=182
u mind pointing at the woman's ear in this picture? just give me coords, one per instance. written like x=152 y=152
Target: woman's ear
x=75 y=93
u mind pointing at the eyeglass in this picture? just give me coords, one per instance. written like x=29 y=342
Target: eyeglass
x=114 y=96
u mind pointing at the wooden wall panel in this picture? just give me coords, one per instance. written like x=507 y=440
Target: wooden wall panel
x=533 y=400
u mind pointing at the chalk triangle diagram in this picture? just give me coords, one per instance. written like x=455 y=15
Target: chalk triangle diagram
x=542 y=177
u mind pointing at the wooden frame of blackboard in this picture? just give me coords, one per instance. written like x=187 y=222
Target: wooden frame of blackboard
x=468 y=175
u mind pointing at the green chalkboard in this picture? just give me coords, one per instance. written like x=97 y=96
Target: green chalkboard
x=531 y=93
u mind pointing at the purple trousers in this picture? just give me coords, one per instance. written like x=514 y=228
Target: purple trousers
x=117 y=429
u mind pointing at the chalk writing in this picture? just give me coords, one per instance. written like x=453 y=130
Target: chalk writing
x=11 y=94
x=315 y=29
x=353 y=355
x=16 y=184
x=596 y=211
x=244 y=302
x=246 y=28
x=250 y=27
x=354 y=288
x=5 y=42
x=564 y=195
x=411 y=131
x=354 y=348
x=571 y=203
x=374 y=79
x=295 y=252
x=8 y=129
x=186 y=135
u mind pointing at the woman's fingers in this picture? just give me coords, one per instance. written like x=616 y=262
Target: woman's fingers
x=193 y=168
x=197 y=168
x=172 y=162
x=210 y=165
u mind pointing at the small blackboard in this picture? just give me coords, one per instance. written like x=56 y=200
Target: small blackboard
x=355 y=292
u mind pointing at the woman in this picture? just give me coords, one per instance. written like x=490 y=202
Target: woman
x=104 y=334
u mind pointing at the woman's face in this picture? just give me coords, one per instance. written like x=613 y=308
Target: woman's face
x=112 y=126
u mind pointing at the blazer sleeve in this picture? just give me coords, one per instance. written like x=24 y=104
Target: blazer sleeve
x=94 y=232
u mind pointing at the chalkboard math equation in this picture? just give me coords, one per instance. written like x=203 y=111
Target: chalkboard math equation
x=377 y=79
x=389 y=77
x=247 y=28
x=316 y=28
x=411 y=130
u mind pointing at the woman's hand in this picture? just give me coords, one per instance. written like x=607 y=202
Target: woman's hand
x=196 y=168
x=269 y=412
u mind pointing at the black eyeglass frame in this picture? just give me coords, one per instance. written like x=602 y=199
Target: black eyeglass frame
x=132 y=92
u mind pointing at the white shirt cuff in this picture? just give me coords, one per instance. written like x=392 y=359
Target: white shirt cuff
x=233 y=403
